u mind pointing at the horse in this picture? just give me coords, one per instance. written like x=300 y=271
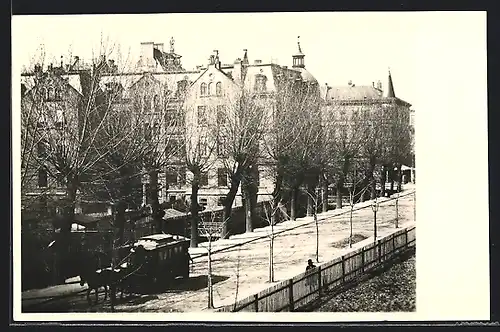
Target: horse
x=95 y=280
x=93 y=275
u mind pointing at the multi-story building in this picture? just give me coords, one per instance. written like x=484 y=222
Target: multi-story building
x=356 y=101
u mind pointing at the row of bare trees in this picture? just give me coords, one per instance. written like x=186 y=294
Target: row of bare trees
x=102 y=141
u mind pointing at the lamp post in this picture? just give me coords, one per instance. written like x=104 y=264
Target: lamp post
x=375 y=209
x=397 y=212
x=315 y=215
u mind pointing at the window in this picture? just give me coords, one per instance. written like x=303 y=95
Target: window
x=171 y=177
x=203 y=202
x=260 y=83
x=60 y=180
x=204 y=179
x=221 y=200
x=221 y=115
x=202 y=115
x=156 y=102
x=147 y=132
x=145 y=102
x=182 y=176
x=257 y=177
x=59 y=119
x=210 y=89
x=52 y=93
x=218 y=89
x=222 y=146
x=175 y=147
x=221 y=177
x=41 y=150
x=172 y=199
x=203 y=89
x=42 y=178
x=57 y=94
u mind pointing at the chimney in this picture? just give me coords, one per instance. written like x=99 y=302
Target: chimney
x=238 y=71
x=373 y=84
x=285 y=67
x=147 y=59
x=257 y=62
x=217 y=62
x=379 y=85
x=349 y=83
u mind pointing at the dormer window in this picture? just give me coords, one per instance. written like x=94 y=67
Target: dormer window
x=203 y=89
x=260 y=83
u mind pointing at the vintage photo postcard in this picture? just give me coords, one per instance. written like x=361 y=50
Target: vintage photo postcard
x=250 y=167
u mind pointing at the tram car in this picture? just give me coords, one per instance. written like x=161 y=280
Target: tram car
x=159 y=259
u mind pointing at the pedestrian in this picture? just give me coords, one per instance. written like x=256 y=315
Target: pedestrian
x=310 y=265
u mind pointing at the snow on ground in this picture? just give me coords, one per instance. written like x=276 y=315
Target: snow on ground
x=243 y=270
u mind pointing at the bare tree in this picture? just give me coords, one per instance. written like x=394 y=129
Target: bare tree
x=68 y=120
x=293 y=101
x=200 y=147
x=239 y=131
x=349 y=134
x=160 y=106
x=271 y=210
x=356 y=179
x=211 y=229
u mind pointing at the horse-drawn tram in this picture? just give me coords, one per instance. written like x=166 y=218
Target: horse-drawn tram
x=158 y=259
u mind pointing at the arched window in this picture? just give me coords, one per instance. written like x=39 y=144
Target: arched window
x=210 y=89
x=57 y=94
x=156 y=101
x=260 y=83
x=45 y=94
x=203 y=89
x=218 y=89
x=145 y=101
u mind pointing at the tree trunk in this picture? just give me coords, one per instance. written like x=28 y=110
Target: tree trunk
x=209 y=276
x=228 y=202
x=293 y=204
x=399 y=178
x=155 y=204
x=195 y=185
x=276 y=198
x=65 y=229
x=249 y=189
x=119 y=230
x=324 y=193
x=391 y=177
x=373 y=187
x=383 y=180
x=338 y=204
x=310 y=204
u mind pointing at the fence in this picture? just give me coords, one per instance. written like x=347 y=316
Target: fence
x=303 y=289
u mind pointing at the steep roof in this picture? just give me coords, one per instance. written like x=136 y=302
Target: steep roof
x=351 y=92
x=390 y=88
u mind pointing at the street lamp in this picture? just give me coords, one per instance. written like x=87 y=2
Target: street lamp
x=315 y=215
x=375 y=209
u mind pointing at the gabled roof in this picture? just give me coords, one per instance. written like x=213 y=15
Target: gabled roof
x=127 y=81
x=73 y=79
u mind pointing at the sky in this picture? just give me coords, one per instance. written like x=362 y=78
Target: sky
x=338 y=46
